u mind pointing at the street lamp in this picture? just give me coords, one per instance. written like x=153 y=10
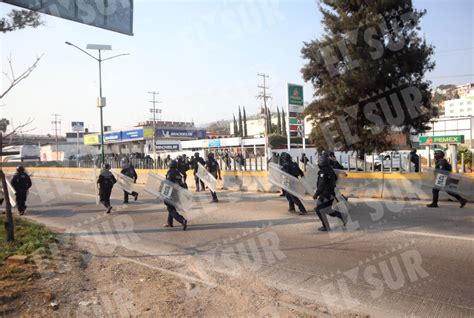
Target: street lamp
x=101 y=100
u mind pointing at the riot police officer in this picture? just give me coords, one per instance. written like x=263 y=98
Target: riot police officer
x=21 y=182
x=183 y=166
x=443 y=164
x=325 y=193
x=106 y=182
x=194 y=164
x=175 y=176
x=293 y=169
x=129 y=171
x=213 y=167
x=333 y=161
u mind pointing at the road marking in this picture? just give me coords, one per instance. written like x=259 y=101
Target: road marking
x=437 y=235
x=166 y=271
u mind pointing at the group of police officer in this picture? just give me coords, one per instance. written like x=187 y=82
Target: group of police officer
x=177 y=172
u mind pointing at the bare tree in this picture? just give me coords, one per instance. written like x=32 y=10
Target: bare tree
x=15 y=80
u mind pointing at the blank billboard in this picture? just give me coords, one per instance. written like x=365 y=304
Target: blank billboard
x=113 y=15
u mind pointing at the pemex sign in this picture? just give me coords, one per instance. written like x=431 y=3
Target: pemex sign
x=428 y=140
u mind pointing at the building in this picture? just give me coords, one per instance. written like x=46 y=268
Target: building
x=463 y=106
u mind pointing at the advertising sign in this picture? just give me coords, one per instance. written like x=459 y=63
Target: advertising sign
x=113 y=136
x=92 y=139
x=214 y=143
x=295 y=106
x=180 y=133
x=428 y=140
x=167 y=147
x=77 y=126
x=132 y=134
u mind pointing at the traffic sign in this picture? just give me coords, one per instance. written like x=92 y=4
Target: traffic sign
x=77 y=126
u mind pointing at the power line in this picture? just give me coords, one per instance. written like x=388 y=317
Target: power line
x=154 y=111
x=263 y=95
x=452 y=76
x=57 y=128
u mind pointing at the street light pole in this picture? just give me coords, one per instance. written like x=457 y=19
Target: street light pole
x=101 y=101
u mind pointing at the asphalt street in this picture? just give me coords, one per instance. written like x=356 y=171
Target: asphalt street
x=394 y=259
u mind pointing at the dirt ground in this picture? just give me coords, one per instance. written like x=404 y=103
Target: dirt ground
x=80 y=281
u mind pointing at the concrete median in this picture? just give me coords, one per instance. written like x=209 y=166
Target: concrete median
x=402 y=186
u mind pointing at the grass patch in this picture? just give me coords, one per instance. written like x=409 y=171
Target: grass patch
x=29 y=237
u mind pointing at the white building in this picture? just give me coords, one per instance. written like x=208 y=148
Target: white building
x=463 y=106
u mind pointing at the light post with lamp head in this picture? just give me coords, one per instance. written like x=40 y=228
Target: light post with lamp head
x=101 y=102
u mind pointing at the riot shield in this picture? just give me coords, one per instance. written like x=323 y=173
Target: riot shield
x=450 y=182
x=311 y=178
x=340 y=203
x=206 y=177
x=124 y=182
x=285 y=181
x=96 y=186
x=11 y=193
x=169 y=192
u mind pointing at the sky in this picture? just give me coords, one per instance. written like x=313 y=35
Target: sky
x=202 y=57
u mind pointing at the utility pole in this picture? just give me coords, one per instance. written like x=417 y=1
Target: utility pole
x=263 y=95
x=57 y=128
x=154 y=111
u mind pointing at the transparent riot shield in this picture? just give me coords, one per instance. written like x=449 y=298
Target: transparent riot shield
x=169 y=192
x=11 y=193
x=450 y=182
x=285 y=181
x=206 y=177
x=310 y=179
x=340 y=203
x=124 y=182
x=96 y=186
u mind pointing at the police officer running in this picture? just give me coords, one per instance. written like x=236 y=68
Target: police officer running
x=194 y=164
x=21 y=182
x=106 y=182
x=129 y=170
x=325 y=193
x=443 y=164
x=213 y=167
x=293 y=169
x=175 y=176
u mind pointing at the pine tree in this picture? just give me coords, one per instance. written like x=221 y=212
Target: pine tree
x=368 y=69
x=241 y=130
x=283 y=123
x=279 y=122
x=236 y=129
x=245 y=124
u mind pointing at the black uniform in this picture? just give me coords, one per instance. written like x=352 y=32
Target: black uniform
x=194 y=165
x=443 y=164
x=106 y=182
x=325 y=196
x=130 y=172
x=183 y=167
x=21 y=182
x=335 y=164
x=292 y=168
x=415 y=159
x=175 y=176
x=213 y=167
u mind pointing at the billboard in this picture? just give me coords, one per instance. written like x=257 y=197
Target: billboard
x=113 y=15
x=132 y=134
x=180 y=133
x=91 y=139
x=77 y=126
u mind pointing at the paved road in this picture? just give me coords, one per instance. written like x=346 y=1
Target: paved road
x=397 y=259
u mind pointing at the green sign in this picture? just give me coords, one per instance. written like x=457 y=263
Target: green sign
x=295 y=95
x=428 y=140
x=294 y=121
